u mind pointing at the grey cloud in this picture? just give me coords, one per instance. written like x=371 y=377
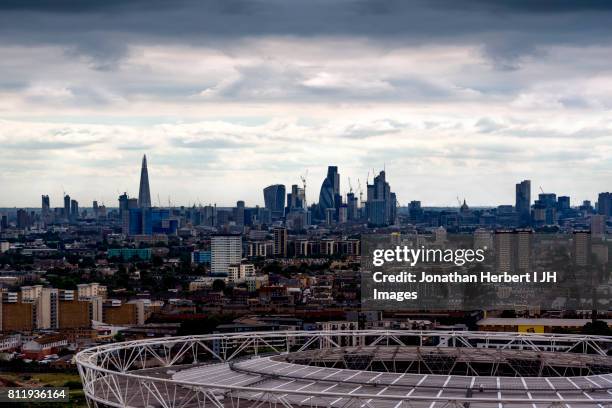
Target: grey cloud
x=507 y=29
x=49 y=145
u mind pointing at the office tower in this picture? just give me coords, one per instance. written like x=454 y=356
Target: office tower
x=225 y=250
x=144 y=194
x=586 y=207
x=415 y=212
x=4 y=222
x=280 y=242
x=352 y=207
x=274 y=199
x=545 y=209
x=239 y=213
x=563 y=203
x=66 y=206
x=123 y=204
x=23 y=219
x=523 y=202
x=95 y=208
x=46 y=208
x=334 y=178
x=329 y=195
x=149 y=221
x=381 y=202
x=296 y=199
x=326 y=197
x=130 y=204
x=604 y=204
x=209 y=216
x=74 y=209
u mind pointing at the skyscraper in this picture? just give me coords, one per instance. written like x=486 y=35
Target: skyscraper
x=329 y=195
x=144 y=194
x=523 y=201
x=381 y=203
x=274 y=199
x=334 y=178
x=66 y=206
x=46 y=209
x=604 y=204
x=239 y=213
x=74 y=209
x=45 y=204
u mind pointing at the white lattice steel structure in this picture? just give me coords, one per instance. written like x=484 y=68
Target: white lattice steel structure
x=376 y=368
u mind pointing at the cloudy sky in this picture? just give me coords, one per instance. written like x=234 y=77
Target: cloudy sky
x=227 y=96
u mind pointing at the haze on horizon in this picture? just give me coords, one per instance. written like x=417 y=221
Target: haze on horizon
x=228 y=96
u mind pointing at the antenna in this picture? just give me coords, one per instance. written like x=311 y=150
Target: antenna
x=158 y=201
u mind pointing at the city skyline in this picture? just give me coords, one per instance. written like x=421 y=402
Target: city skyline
x=145 y=199
x=462 y=103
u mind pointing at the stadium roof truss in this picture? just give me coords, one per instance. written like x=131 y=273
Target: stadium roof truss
x=375 y=368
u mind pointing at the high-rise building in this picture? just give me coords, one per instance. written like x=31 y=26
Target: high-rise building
x=329 y=195
x=74 y=209
x=604 y=204
x=149 y=221
x=144 y=193
x=523 y=202
x=225 y=250
x=45 y=208
x=296 y=199
x=582 y=247
x=545 y=209
x=352 y=207
x=381 y=203
x=66 y=207
x=334 y=178
x=415 y=212
x=563 y=203
x=274 y=199
x=23 y=219
x=280 y=242
x=239 y=213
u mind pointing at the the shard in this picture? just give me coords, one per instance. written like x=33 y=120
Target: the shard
x=144 y=194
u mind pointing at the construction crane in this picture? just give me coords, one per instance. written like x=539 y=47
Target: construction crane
x=350 y=185
x=458 y=201
x=542 y=190
x=360 y=191
x=303 y=178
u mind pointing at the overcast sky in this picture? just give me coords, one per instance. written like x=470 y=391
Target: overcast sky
x=227 y=96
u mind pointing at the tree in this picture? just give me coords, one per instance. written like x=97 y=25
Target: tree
x=218 y=285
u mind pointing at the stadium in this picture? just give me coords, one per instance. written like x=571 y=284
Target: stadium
x=373 y=368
